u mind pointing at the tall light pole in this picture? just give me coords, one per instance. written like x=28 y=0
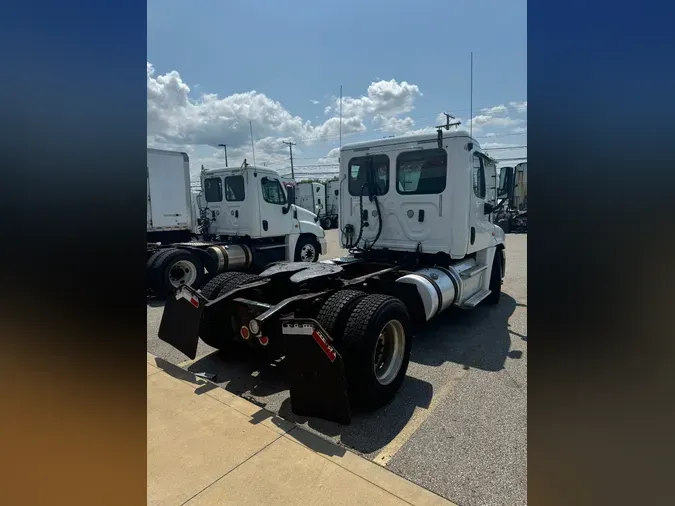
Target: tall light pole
x=225 y=147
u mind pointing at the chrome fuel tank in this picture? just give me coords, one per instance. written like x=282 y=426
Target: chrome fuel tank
x=230 y=257
x=436 y=286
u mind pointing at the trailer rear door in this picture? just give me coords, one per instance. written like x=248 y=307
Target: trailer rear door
x=169 y=203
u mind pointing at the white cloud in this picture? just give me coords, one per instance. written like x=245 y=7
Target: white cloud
x=489 y=135
x=394 y=125
x=387 y=98
x=315 y=102
x=519 y=130
x=173 y=117
x=519 y=106
x=498 y=109
x=483 y=120
x=331 y=157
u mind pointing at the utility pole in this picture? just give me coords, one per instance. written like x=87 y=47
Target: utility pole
x=225 y=147
x=290 y=146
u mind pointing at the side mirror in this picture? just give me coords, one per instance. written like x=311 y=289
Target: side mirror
x=505 y=183
x=488 y=208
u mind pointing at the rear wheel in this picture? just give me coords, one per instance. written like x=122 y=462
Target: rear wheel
x=307 y=249
x=376 y=346
x=172 y=268
x=325 y=222
x=336 y=310
x=218 y=325
x=334 y=223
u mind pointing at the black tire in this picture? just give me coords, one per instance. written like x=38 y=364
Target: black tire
x=162 y=265
x=335 y=311
x=215 y=328
x=495 y=280
x=212 y=288
x=334 y=223
x=303 y=242
x=325 y=223
x=357 y=347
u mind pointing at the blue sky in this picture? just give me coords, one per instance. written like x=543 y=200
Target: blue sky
x=400 y=65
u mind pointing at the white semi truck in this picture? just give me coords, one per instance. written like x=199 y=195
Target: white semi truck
x=416 y=214
x=244 y=221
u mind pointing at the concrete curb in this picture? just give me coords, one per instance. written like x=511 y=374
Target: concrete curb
x=367 y=470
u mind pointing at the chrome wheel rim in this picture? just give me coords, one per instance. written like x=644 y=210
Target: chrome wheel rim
x=388 y=352
x=308 y=253
x=182 y=272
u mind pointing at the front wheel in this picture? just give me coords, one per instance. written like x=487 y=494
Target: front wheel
x=375 y=346
x=307 y=250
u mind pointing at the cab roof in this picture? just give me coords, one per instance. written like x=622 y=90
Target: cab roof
x=408 y=139
x=241 y=170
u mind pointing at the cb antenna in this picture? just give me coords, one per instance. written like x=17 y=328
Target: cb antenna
x=471 y=100
x=250 y=124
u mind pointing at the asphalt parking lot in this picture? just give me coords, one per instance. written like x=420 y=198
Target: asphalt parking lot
x=458 y=426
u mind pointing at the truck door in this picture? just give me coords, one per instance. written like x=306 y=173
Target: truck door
x=480 y=226
x=274 y=222
x=421 y=178
x=236 y=217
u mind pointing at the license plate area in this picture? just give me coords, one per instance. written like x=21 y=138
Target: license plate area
x=180 y=321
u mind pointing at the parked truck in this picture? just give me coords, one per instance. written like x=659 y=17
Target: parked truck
x=312 y=196
x=243 y=221
x=416 y=215
x=513 y=215
x=333 y=202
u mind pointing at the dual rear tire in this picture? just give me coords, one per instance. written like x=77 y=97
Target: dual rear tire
x=372 y=333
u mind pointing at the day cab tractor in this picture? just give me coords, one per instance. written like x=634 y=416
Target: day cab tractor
x=417 y=218
x=246 y=222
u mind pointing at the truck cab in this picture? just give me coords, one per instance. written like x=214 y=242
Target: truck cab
x=252 y=202
x=432 y=196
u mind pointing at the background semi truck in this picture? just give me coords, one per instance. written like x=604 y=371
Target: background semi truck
x=513 y=183
x=241 y=219
x=417 y=216
x=312 y=196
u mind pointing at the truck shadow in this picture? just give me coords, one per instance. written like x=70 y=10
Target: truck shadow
x=478 y=339
x=370 y=432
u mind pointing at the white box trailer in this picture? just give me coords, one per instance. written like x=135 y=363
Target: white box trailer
x=170 y=213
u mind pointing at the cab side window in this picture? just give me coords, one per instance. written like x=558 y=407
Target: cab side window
x=213 y=189
x=272 y=191
x=478 y=177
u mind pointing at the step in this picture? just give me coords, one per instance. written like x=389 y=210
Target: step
x=473 y=301
x=469 y=273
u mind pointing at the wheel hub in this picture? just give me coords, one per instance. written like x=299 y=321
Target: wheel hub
x=182 y=273
x=388 y=352
x=307 y=253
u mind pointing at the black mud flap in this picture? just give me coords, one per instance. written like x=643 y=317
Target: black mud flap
x=315 y=372
x=180 y=322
